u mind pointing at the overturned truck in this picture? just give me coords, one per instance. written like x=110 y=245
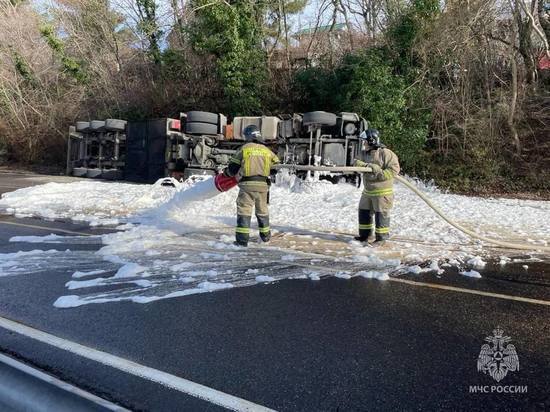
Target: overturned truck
x=202 y=143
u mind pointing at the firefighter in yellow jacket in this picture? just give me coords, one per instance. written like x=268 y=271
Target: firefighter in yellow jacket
x=377 y=198
x=252 y=163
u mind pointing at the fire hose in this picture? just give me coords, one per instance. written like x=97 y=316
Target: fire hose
x=407 y=184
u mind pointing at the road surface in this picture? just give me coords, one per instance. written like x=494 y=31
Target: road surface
x=357 y=344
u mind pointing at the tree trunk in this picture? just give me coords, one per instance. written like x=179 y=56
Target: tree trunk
x=514 y=91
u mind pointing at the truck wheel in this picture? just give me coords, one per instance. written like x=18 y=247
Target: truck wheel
x=82 y=126
x=97 y=125
x=202 y=117
x=201 y=128
x=319 y=118
x=115 y=125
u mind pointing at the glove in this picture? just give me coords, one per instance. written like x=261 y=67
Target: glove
x=375 y=168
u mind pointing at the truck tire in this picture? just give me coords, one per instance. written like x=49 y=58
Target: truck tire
x=79 y=171
x=201 y=128
x=93 y=173
x=82 y=126
x=97 y=125
x=319 y=118
x=115 y=125
x=196 y=116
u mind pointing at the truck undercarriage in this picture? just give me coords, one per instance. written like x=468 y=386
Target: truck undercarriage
x=203 y=142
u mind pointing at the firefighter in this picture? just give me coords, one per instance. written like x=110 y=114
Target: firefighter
x=252 y=164
x=377 y=197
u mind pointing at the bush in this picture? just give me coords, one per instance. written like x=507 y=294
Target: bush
x=366 y=84
x=314 y=90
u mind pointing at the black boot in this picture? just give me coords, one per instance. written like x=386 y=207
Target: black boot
x=263 y=226
x=378 y=243
x=382 y=231
x=365 y=225
x=242 y=231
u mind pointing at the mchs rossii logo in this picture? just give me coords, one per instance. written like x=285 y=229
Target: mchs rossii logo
x=497 y=358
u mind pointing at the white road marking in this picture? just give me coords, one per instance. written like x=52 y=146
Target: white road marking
x=470 y=291
x=60 y=384
x=51 y=229
x=171 y=381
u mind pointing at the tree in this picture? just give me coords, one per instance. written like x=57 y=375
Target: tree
x=277 y=25
x=149 y=26
x=543 y=10
x=371 y=13
x=35 y=98
x=232 y=32
x=367 y=85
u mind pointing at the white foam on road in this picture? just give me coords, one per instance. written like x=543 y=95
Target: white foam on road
x=477 y=262
x=79 y=274
x=23 y=262
x=372 y=274
x=471 y=274
x=144 y=278
x=264 y=279
x=52 y=238
x=319 y=206
x=168 y=246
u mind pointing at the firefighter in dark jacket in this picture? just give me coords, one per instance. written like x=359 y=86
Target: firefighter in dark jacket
x=377 y=197
x=252 y=163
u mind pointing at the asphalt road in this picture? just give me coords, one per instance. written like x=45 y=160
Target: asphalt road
x=14 y=179
x=296 y=345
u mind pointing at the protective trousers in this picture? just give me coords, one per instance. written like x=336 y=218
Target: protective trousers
x=382 y=220
x=377 y=207
x=247 y=201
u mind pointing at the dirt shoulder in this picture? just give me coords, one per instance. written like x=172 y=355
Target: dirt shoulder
x=17 y=168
